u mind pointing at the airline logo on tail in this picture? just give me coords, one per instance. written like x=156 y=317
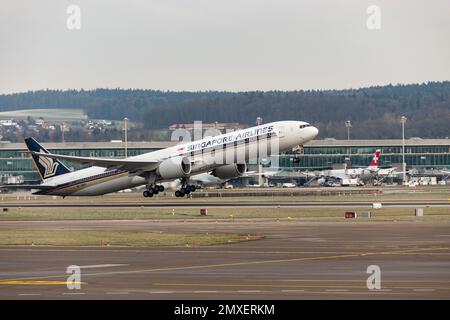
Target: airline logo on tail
x=49 y=165
x=377 y=155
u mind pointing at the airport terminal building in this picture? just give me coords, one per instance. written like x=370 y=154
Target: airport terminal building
x=315 y=155
x=329 y=153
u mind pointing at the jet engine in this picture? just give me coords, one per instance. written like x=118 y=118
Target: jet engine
x=230 y=171
x=173 y=168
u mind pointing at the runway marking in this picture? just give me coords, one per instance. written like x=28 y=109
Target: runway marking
x=293 y=290
x=205 y=291
x=324 y=287
x=387 y=290
x=249 y=291
x=160 y=292
x=72 y=293
x=253 y=285
x=244 y=263
x=355 y=280
x=29 y=294
x=257 y=285
x=150 y=250
x=424 y=290
x=37 y=283
x=336 y=290
x=102 y=266
x=116 y=293
x=361 y=293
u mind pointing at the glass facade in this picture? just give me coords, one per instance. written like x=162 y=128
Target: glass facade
x=324 y=157
x=312 y=157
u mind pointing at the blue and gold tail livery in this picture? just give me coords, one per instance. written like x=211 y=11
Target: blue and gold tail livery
x=46 y=167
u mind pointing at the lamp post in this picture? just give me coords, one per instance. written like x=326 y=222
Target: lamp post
x=348 y=125
x=62 y=131
x=403 y=120
x=125 y=122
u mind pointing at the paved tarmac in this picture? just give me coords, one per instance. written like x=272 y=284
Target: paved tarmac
x=294 y=260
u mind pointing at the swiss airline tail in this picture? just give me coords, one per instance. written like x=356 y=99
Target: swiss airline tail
x=376 y=156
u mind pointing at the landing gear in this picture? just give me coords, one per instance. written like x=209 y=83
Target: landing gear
x=147 y=193
x=185 y=190
x=179 y=194
x=152 y=190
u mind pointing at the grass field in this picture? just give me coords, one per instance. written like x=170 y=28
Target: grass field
x=226 y=196
x=114 y=238
x=30 y=235
x=335 y=214
x=47 y=114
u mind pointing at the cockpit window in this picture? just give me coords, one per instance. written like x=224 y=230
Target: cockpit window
x=305 y=125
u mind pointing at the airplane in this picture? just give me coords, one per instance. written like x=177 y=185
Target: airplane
x=206 y=179
x=210 y=179
x=354 y=176
x=225 y=155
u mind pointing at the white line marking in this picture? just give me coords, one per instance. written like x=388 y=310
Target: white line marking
x=205 y=291
x=29 y=294
x=73 y=293
x=423 y=290
x=116 y=292
x=380 y=290
x=160 y=291
x=248 y=291
x=93 y=266
x=293 y=290
x=321 y=280
x=336 y=290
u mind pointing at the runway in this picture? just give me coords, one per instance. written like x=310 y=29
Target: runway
x=188 y=203
x=294 y=260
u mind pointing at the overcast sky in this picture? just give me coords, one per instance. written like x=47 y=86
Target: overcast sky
x=222 y=44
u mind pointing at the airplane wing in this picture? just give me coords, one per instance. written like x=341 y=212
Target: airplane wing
x=340 y=176
x=122 y=164
x=263 y=173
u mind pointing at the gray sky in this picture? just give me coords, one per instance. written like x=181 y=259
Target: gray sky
x=222 y=44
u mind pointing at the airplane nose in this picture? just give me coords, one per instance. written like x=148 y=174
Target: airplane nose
x=313 y=132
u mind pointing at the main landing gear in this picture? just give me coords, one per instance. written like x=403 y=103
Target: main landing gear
x=185 y=190
x=152 y=190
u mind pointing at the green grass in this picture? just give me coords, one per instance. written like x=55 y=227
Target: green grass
x=405 y=194
x=114 y=238
x=386 y=213
x=54 y=113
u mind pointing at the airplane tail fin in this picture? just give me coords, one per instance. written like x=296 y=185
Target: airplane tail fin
x=376 y=156
x=46 y=167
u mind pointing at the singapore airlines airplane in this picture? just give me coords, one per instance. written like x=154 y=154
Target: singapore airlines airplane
x=223 y=155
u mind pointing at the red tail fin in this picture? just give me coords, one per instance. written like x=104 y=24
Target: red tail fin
x=377 y=155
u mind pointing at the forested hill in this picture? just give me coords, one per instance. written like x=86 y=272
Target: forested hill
x=374 y=111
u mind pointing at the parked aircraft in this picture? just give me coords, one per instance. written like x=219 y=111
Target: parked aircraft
x=353 y=176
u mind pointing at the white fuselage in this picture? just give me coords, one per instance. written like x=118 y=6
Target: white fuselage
x=205 y=155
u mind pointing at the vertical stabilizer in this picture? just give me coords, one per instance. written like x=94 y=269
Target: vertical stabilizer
x=46 y=167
